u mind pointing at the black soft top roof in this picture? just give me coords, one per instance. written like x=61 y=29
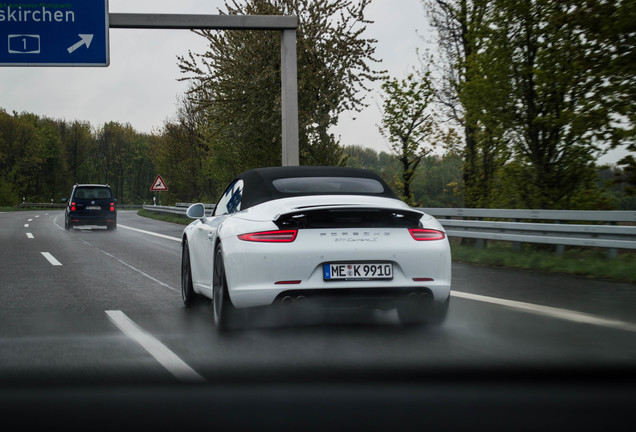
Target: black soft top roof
x=258 y=187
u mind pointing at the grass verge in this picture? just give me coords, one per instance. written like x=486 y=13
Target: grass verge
x=584 y=262
x=182 y=220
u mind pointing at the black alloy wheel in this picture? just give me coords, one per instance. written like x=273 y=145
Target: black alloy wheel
x=224 y=311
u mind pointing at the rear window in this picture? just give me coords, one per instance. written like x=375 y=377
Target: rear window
x=92 y=193
x=328 y=185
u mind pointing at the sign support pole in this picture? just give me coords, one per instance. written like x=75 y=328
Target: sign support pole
x=286 y=24
x=289 y=109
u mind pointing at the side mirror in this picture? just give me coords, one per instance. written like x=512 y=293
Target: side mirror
x=196 y=211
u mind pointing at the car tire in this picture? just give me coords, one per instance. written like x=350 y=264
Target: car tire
x=224 y=311
x=188 y=295
x=440 y=311
x=111 y=226
x=66 y=224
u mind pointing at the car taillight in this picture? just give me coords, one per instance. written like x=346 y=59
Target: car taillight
x=112 y=206
x=280 y=236
x=73 y=208
x=420 y=234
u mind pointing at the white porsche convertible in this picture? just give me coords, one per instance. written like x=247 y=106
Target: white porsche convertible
x=334 y=237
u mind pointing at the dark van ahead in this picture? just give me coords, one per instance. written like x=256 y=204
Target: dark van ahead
x=91 y=204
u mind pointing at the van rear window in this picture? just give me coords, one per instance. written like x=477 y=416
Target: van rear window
x=92 y=193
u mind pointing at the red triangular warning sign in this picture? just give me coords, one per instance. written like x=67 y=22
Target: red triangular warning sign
x=159 y=184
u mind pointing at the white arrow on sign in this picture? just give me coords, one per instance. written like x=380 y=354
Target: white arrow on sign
x=86 y=39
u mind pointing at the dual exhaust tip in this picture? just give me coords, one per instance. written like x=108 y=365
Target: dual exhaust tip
x=289 y=300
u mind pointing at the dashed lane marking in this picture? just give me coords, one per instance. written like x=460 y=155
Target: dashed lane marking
x=50 y=258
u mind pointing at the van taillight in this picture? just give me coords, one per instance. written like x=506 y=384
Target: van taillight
x=73 y=208
x=112 y=206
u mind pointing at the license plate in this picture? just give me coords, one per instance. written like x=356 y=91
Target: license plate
x=357 y=271
x=93 y=207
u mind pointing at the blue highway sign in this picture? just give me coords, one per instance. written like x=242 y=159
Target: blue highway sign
x=54 y=33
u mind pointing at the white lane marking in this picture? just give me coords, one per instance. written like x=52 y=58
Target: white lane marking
x=30 y=220
x=553 y=312
x=159 y=351
x=37 y=216
x=26 y=225
x=134 y=268
x=150 y=233
x=56 y=224
x=29 y=235
x=50 y=258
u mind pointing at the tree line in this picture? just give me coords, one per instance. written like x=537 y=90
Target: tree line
x=437 y=180
x=42 y=158
x=512 y=111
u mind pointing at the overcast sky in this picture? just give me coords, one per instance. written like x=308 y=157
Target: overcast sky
x=140 y=86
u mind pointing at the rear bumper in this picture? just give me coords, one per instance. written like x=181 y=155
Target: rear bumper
x=92 y=219
x=262 y=274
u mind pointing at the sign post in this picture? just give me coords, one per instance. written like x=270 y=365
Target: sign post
x=157 y=186
x=54 y=33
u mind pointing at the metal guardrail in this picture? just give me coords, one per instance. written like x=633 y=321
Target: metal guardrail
x=40 y=205
x=588 y=228
x=545 y=226
x=178 y=209
x=604 y=216
x=186 y=205
x=61 y=205
x=549 y=228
